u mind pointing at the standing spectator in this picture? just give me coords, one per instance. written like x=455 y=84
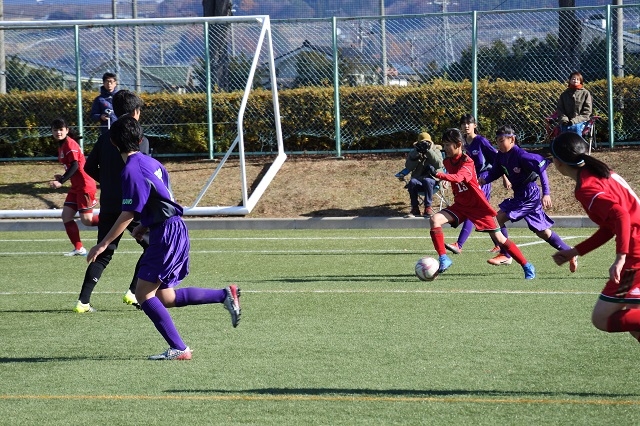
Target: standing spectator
x=523 y=169
x=82 y=195
x=105 y=165
x=611 y=204
x=423 y=162
x=574 y=105
x=146 y=193
x=102 y=107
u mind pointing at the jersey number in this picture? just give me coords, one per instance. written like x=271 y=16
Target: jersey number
x=461 y=186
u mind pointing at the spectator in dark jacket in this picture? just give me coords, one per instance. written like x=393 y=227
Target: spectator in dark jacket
x=102 y=107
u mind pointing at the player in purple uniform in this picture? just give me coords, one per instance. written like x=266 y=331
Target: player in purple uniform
x=146 y=193
x=523 y=169
x=480 y=150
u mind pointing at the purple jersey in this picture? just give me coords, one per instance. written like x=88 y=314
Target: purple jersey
x=146 y=190
x=481 y=152
x=522 y=168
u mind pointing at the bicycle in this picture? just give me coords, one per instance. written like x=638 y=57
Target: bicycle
x=554 y=129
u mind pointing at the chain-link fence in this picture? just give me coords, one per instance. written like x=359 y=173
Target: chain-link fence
x=359 y=61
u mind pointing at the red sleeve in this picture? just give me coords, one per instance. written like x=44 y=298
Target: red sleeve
x=465 y=174
x=620 y=221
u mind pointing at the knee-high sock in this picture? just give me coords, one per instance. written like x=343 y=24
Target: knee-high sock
x=198 y=296
x=504 y=231
x=95 y=220
x=624 y=320
x=556 y=242
x=73 y=233
x=91 y=277
x=438 y=240
x=161 y=318
x=511 y=248
x=467 y=227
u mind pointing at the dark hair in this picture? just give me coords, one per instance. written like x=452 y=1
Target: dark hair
x=578 y=74
x=126 y=134
x=107 y=75
x=467 y=119
x=126 y=102
x=507 y=130
x=571 y=149
x=453 y=135
x=61 y=123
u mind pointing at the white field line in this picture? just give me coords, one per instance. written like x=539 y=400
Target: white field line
x=351 y=291
x=394 y=237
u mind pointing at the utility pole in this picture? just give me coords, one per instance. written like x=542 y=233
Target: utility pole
x=3 y=63
x=383 y=43
x=447 y=44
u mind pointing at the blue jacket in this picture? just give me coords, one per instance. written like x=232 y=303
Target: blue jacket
x=100 y=105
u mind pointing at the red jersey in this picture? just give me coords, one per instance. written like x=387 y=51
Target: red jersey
x=461 y=172
x=615 y=208
x=68 y=152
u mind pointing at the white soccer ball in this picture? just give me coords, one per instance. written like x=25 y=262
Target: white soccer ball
x=427 y=268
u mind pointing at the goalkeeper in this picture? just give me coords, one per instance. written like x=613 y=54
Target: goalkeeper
x=423 y=162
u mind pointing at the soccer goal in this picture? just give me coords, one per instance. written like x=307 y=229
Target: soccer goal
x=238 y=56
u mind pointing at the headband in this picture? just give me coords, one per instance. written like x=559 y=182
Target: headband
x=506 y=135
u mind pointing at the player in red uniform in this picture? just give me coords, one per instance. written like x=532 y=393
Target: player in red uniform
x=469 y=203
x=82 y=195
x=615 y=208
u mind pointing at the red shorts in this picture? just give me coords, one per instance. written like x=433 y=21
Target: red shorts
x=626 y=291
x=81 y=201
x=484 y=219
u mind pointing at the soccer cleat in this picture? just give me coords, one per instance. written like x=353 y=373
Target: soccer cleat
x=573 y=264
x=495 y=249
x=529 y=271
x=445 y=263
x=130 y=299
x=500 y=259
x=232 y=303
x=453 y=248
x=172 y=354
x=83 y=308
x=77 y=252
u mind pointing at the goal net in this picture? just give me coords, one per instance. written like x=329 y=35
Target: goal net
x=233 y=62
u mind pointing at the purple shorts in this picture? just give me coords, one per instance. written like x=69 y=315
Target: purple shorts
x=167 y=257
x=527 y=205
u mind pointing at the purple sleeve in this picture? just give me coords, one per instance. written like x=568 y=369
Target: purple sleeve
x=538 y=164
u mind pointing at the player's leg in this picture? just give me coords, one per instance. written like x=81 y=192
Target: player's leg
x=437 y=236
x=616 y=309
x=86 y=203
x=71 y=227
x=503 y=257
x=465 y=232
x=540 y=223
x=154 y=308
x=514 y=251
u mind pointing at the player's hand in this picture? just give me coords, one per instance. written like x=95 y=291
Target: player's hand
x=506 y=182
x=563 y=256
x=94 y=252
x=138 y=232
x=546 y=202
x=615 y=271
x=55 y=184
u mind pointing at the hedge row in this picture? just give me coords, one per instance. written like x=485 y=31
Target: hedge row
x=307 y=115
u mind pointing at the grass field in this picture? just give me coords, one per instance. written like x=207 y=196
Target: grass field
x=335 y=330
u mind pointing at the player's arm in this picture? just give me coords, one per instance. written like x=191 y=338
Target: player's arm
x=57 y=183
x=464 y=174
x=118 y=228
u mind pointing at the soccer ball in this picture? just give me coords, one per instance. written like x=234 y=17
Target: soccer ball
x=427 y=268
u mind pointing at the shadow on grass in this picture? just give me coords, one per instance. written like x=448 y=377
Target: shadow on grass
x=383 y=393
x=33 y=189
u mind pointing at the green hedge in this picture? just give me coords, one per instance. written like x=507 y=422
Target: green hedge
x=365 y=114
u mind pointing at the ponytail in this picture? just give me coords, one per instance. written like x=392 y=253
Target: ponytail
x=571 y=149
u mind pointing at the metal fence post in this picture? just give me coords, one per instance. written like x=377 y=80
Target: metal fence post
x=76 y=34
x=336 y=86
x=474 y=64
x=610 y=75
x=207 y=67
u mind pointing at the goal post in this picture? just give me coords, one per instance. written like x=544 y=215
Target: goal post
x=257 y=29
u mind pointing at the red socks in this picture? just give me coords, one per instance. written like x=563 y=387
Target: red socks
x=624 y=320
x=514 y=251
x=95 y=219
x=73 y=233
x=437 y=236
